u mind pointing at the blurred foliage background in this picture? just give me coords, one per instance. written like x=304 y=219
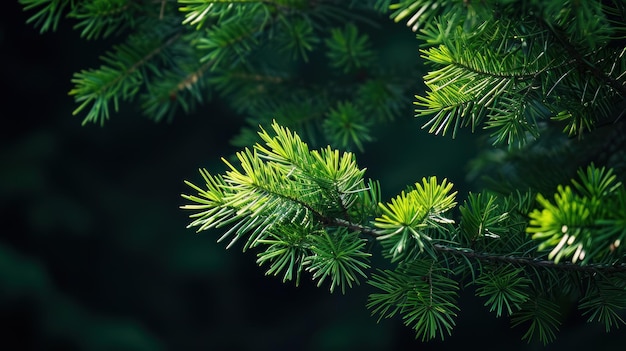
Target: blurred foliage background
x=94 y=253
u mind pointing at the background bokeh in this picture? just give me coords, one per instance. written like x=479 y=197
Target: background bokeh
x=94 y=250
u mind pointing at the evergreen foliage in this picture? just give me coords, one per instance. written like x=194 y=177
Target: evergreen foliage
x=546 y=79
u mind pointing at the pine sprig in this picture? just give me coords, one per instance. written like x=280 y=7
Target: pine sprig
x=199 y=12
x=286 y=252
x=282 y=185
x=120 y=78
x=543 y=318
x=604 y=303
x=422 y=293
x=103 y=18
x=496 y=80
x=505 y=288
x=346 y=123
x=512 y=74
x=339 y=256
x=482 y=218
x=570 y=226
x=297 y=38
x=182 y=88
x=231 y=40
x=420 y=11
x=408 y=222
x=349 y=50
x=49 y=12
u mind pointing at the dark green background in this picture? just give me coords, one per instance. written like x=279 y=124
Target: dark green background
x=94 y=253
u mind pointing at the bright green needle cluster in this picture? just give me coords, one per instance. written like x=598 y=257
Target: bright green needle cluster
x=286 y=198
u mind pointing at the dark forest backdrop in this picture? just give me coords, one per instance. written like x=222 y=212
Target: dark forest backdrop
x=94 y=253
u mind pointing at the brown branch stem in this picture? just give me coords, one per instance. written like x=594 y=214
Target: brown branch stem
x=491 y=257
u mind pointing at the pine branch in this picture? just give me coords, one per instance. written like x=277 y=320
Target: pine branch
x=550 y=228
x=518 y=261
x=120 y=78
x=299 y=203
x=583 y=63
x=49 y=14
x=101 y=19
x=504 y=73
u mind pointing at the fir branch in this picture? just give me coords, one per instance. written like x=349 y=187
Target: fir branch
x=49 y=14
x=179 y=87
x=100 y=19
x=518 y=261
x=120 y=77
x=421 y=11
x=582 y=63
x=340 y=257
x=349 y=50
x=284 y=184
x=518 y=69
x=542 y=316
x=505 y=289
x=422 y=292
